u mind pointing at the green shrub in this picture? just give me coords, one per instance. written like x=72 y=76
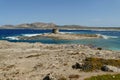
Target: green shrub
x=105 y=77
x=91 y=64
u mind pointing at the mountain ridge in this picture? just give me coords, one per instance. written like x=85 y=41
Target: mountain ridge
x=42 y=25
x=35 y=25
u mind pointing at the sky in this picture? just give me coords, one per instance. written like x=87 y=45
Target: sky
x=94 y=13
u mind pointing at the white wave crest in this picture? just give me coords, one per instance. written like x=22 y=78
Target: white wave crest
x=30 y=35
x=12 y=38
x=106 y=37
x=66 y=32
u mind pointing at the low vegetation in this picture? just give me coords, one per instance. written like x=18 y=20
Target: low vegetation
x=91 y=64
x=105 y=77
x=97 y=63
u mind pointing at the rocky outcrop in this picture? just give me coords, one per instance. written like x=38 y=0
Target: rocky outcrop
x=33 y=61
x=57 y=35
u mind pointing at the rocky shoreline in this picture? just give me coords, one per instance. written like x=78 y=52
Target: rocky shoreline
x=34 y=61
x=62 y=36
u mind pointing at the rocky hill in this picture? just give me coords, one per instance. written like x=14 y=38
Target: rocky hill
x=37 y=25
x=7 y=27
x=42 y=25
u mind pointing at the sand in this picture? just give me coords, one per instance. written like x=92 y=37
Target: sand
x=33 y=61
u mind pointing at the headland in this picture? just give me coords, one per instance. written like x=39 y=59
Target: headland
x=35 y=61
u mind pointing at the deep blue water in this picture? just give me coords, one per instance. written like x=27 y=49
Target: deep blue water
x=110 y=41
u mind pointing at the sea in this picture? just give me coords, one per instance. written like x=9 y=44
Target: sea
x=110 y=40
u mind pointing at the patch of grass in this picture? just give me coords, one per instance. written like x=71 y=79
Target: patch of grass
x=91 y=64
x=105 y=77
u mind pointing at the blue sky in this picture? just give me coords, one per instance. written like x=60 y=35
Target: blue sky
x=62 y=12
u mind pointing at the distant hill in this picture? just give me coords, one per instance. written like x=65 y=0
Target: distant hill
x=7 y=27
x=41 y=25
x=37 y=25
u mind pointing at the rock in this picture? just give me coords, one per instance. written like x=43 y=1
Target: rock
x=110 y=68
x=47 y=77
x=105 y=68
x=84 y=67
x=77 y=66
x=99 y=48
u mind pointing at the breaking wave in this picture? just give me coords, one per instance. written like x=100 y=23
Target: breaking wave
x=106 y=37
x=66 y=32
x=12 y=38
x=30 y=35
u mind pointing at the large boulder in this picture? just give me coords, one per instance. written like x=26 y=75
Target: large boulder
x=109 y=68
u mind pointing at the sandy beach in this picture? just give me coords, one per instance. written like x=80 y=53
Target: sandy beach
x=33 y=61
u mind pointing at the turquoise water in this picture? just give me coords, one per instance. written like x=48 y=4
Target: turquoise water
x=110 y=41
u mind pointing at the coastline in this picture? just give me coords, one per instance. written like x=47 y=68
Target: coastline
x=33 y=61
x=51 y=26
x=62 y=36
x=66 y=29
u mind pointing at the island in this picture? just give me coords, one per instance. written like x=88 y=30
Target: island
x=61 y=36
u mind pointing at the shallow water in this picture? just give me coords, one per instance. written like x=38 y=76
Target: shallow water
x=110 y=41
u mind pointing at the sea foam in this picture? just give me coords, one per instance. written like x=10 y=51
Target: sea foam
x=66 y=32
x=12 y=38
x=30 y=35
x=106 y=37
